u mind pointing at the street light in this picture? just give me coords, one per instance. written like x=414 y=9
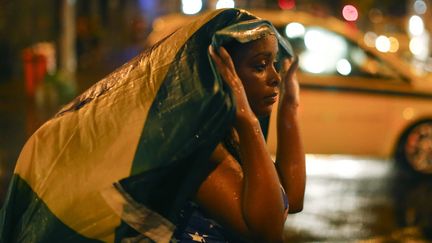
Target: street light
x=191 y=6
x=287 y=4
x=382 y=43
x=225 y=4
x=415 y=25
x=350 y=13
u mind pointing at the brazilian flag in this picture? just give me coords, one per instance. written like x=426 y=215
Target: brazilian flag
x=118 y=163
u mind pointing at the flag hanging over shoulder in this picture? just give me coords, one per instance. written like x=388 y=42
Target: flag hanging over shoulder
x=121 y=159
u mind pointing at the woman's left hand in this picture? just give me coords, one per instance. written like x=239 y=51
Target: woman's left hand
x=290 y=158
x=289 y=89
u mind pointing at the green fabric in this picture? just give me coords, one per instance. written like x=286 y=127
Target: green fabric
x=188 y=117
x=18 y=226
x=250 y=30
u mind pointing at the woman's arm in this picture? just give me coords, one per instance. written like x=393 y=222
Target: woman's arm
x=247 y=199
x=290 y=158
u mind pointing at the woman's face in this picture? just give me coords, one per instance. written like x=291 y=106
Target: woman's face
x=254 y=63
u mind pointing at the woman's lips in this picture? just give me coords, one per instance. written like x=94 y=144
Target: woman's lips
x=271 y=99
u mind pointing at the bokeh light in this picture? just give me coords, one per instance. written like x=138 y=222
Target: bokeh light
x=382 y=43
x=191 y=6
x=419 y=46
x=350 y=13
x=343 y=67
x=370 y=38
x=415 y=25
x=376 y=15
x=294 y=30
x=287 y=4
x=420 y=7
x=394 y=44
x=225 y=4
x=323 y=50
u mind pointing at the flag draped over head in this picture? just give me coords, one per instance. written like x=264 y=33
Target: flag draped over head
x=120 y=160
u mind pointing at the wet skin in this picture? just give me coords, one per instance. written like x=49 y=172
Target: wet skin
x=254 y=64
x=248 y=187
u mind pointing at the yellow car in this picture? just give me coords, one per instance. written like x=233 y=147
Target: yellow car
x=354 y=99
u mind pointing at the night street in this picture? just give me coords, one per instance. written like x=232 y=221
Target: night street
x=362 y=199
x=163 y=106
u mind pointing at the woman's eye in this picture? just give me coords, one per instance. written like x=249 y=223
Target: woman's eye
x=260 y=67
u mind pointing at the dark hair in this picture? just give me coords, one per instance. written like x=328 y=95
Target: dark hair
x=233 y=46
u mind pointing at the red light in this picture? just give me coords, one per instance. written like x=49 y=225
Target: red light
x=349 y=12
x=286 y=4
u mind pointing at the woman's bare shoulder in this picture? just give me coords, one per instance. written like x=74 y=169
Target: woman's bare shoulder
x=226 y=162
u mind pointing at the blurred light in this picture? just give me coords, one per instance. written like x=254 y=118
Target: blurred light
x=320 y=40
x=349 y=12
x=225 y=4
x=47 y=49
x=311 y=62
x=358 y=56
x=287 y=4
x=293 y=30
x=340 y=166
x=370 y=38
x=382 y=43
x=345 y=168
x=191 y=6
x=408 y=113
x=419 y=46
x=147 y=5
x=394 y=44
x=375 y=15
x=323 y=50
x=420 y=7
x=415 y=46
x=416 y=25
x=343 y=67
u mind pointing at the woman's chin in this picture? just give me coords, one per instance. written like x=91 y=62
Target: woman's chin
x=264 y=111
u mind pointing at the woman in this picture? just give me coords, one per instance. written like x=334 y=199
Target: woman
x=243 y=194
x=119 y=162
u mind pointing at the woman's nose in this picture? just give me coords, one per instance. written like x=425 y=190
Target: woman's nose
x=274 y=77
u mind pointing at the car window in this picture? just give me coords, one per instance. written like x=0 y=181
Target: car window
x=325 y=52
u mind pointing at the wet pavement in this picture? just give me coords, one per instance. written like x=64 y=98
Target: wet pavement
x=348 y=199
x=358 y=199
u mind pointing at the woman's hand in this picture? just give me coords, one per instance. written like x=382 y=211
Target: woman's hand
x=290 y=158
x=226 y=68
x=252 y=186
x=289 y=89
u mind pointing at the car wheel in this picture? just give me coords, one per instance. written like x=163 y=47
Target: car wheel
x=415 y=147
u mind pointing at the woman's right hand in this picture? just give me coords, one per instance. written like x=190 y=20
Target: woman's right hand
x=226 y=68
